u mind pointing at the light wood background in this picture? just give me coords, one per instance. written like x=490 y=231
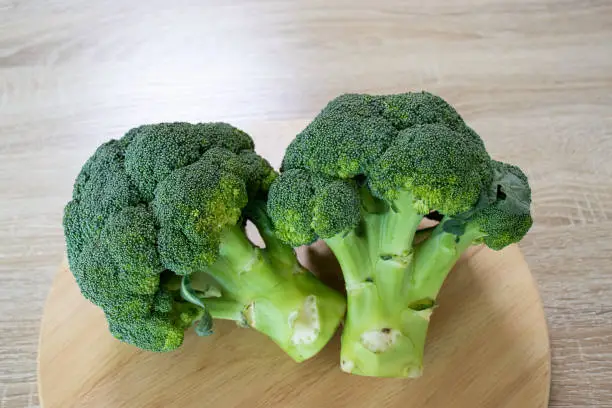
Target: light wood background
x=534 y=78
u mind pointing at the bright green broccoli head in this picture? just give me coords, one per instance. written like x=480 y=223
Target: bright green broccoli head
x=305 y=206
x=412 y=142
x=444 y=169
x=152 y=203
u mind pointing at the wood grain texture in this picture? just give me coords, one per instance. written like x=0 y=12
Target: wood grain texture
x=533 y=77
x=487 y=347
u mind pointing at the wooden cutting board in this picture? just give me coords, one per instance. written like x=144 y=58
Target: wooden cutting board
x=487 y=348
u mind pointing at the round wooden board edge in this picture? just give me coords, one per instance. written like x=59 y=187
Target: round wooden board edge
x=546 y=328
x=63 y=266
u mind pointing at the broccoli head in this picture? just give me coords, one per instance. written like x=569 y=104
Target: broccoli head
x=362 y=176
x=155 y=235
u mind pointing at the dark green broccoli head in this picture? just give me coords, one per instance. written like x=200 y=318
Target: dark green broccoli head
x=412 y=142
x=157 y=331
x=259 y=174
x=156 y=202
x=101 y=189
x=507 y=218
x=406 y=110
x=344 y=140
x=194 y=204
x=155 y=151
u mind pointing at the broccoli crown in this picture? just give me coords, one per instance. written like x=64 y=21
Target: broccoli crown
x=304 y=206
x=153 y=203
x=413 y=142
x=443 y=168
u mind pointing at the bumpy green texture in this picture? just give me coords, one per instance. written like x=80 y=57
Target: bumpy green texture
x=362 y=176
x=442 y=168
x=156 y=238
x=312 y=205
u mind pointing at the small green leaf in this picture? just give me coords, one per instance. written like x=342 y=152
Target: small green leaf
x=189 y=294
x=204 y=325
x=514 y=190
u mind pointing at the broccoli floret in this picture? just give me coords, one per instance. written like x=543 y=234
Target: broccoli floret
x=362 y=176
x=156 y=238
x=324 y=147
x=441 y=168
x=306 y=206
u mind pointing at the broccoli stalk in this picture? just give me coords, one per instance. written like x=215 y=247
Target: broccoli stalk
x=391 y=290
x=156 y=238
x=267 y=290
x=362 y=176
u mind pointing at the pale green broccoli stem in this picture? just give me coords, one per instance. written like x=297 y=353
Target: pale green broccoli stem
x=378 y=255
x=293 y=308
x=225 y=309
x=380 y=250
x=352 y=253
x=434 y=259
x=277 y=250
x=398 y=227
x=394 y=257
x=374 y=340
x=391 y=288
x=376 y=260
x=241 y=268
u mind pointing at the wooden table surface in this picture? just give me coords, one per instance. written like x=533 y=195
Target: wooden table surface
x=534 y=78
